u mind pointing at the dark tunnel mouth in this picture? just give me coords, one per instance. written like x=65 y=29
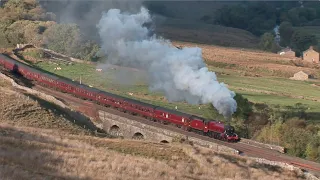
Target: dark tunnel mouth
x=138 y=135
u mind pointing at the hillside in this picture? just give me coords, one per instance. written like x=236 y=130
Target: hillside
x=20 y=110
x=34 y=153
x=191 y=10
x=37 y=144
x=183 y=23
x=261 y=80
x=268 y=102
x=198 y=32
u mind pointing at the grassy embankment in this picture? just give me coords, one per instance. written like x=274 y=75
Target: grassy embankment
x=35 y=153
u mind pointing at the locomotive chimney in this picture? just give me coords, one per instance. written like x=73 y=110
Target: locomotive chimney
x=228 y=120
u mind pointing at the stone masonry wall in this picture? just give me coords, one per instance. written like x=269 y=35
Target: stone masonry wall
x=127 y=128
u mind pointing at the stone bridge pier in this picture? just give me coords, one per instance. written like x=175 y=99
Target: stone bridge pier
x=129 y=129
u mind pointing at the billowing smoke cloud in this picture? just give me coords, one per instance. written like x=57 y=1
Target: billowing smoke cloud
x=86 y=14
x=180 y=74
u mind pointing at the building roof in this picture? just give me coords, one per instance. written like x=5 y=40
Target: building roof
x=284 y=50
x=311 y=48
x=300 y=72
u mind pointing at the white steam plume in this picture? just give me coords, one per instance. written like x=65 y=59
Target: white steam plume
x=179 y=74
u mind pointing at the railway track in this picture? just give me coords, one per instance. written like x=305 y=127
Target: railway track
x=243 y=148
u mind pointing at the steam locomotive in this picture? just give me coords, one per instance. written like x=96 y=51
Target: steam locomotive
x=185 y=121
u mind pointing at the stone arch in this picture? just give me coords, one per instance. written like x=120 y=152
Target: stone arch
x=114 y=130
x=164 y=141
x=138 y=135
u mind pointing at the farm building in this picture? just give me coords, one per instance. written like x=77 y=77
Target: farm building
x=287 y=52
x=302 y=76
x=311 y=55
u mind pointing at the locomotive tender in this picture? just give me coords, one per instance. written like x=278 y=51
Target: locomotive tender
x=185 y=121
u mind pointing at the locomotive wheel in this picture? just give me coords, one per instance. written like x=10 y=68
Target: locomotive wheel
x=217 y=136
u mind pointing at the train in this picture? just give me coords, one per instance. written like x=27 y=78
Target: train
x=187 y=122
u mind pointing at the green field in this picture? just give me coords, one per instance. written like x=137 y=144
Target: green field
x=269 y=90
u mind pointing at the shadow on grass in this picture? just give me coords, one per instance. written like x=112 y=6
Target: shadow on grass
x=268 y=169
x=18 y=78
x=29 y=156
x=72 y=116
x=241 y=163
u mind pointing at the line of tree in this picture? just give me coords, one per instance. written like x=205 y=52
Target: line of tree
x=255 y=17
x=298 y=40
x=260 y=18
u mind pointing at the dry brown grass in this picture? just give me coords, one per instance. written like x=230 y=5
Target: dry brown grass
x=6 y=50
x=18 y=109
x=37 y=144
x=251 y=61
x=33 y=55
x=32 y=153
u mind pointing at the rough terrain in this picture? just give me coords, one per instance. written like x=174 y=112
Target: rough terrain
x=35 y=153
x=37 y=143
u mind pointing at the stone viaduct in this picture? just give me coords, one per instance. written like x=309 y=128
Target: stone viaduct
x=131 y=129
